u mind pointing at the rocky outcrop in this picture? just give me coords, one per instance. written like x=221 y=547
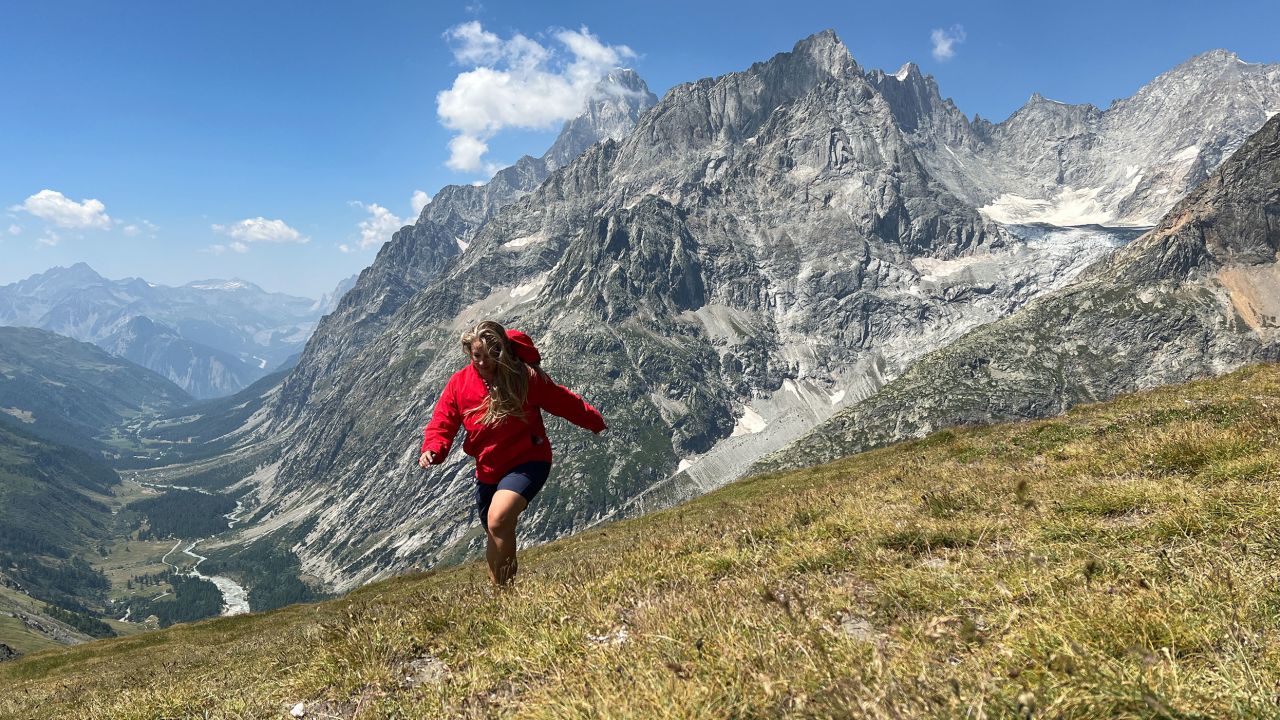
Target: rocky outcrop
x=1195 y=296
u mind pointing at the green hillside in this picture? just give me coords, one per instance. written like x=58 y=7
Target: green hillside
x=51 y=511
x=73 y=393
x=1118 y=561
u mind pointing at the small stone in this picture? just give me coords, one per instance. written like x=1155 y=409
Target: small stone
x=298 y=710
x=426 y=670
x=1026 y=704
x=857 y=628
x=617 y=636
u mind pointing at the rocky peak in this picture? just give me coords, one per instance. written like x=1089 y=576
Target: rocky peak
x=918 y=106
x=1230 y=219
x=60 y=278
x=1213 y=57
x=824 y=53
x=419 y=253
x=608 y=113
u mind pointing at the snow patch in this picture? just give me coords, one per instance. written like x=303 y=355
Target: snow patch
x=219 y=285
x=837 y=397
x=684 y=465
x=1071 y=206
x=1189 y=152
x=462 y=244
x=935 y=269
x=750 y=423
x=528 y=288
x=23 y=415
x=526 y=240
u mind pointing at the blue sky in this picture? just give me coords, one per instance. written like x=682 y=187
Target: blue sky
x=203 y=129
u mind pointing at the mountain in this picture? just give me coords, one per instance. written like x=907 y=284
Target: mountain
x=417 y=254
x=74 y=393
x=763 y=249
x=211 y=337
x=51 y=510
x=1092 y=566
x=683 y=262
x=1197 y=295
x=329 y=301
x=1075 y=164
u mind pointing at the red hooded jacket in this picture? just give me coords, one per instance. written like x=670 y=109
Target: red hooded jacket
x=498 y=448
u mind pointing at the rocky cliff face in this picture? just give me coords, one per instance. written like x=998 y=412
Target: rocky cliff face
x=1076 y=164
x=1198 y=295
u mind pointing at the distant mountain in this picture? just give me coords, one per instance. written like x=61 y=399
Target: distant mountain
x=74 y=393
x=329 y=301
x=211 y=337
x=1196 y=296
x=1075 y=164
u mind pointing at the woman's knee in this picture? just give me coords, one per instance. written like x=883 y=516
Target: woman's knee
x=504 y=511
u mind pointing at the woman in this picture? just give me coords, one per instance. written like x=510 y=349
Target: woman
x=498 y=398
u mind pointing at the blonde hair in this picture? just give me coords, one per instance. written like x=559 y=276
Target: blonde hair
x=510 y=386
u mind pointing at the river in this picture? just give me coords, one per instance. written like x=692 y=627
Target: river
x=235 y=598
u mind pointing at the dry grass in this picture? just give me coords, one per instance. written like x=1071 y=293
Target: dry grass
x=1120 y=561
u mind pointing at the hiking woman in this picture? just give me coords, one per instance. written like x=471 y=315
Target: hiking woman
x=498 y=398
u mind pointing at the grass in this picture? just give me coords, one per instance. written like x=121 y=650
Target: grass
x=1120 y=561
x=129 y=558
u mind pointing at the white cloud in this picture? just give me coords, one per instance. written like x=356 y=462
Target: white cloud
x=260 y=230
x=945 y=41
x=15 y=229
x=465 y=153
x=140 y=227
x=517 y=83
x=64 y=212
x=473 y=45
x=343 y=247
x=50 y=238
x=378 y=227
x=234 y=246
x=420 y=200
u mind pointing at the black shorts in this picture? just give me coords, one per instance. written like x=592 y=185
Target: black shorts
x=526 y=479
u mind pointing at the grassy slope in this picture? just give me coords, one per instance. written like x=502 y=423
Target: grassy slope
x=1118 y=561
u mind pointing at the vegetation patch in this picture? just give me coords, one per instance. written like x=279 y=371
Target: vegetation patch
x=1101 y=565
x=183 y=514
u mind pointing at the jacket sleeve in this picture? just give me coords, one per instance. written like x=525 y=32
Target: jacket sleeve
x=563 y=402
x=439 y=434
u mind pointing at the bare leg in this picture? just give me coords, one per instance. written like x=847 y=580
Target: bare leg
x=504 y=510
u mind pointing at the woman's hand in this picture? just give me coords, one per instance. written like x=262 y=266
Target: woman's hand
x=426 y=459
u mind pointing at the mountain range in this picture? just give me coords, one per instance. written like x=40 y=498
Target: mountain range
x=760 y=251
x=1198 y=295
x=210 y=337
